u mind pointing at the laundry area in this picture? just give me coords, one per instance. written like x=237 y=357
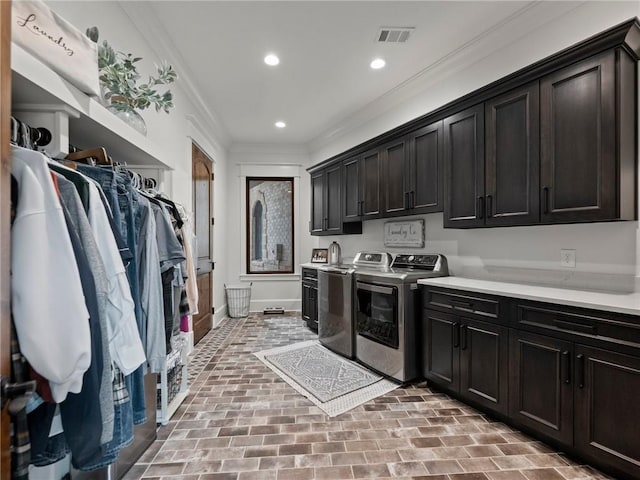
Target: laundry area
x=291 y=240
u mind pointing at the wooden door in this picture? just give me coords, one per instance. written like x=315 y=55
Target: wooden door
x=441 y=343
x=5 y=232
x=351 y=208
x=541 y=384
x=606 y=414
x=396 y=194
x=371 y=204
x=202 y=176
x=484 y=364
x=333 y=198
x=425 y=169
x=317 y=202
x=464 y=169
x=512 y=161
x=578 y=142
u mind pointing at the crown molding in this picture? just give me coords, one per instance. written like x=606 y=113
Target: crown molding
x=144 y=17
x=270 y=148
x=469 y=53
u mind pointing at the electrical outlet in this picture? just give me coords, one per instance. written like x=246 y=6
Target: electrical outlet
x=568 y=258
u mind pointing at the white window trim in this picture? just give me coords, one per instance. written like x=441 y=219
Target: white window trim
x=269 y=170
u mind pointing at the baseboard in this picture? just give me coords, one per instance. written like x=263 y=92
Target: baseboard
x=289 y=305
x=292 y=304
x=221 y=314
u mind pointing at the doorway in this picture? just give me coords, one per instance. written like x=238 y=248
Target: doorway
x=202 y=177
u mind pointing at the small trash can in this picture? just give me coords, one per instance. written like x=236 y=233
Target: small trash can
x=238 y=300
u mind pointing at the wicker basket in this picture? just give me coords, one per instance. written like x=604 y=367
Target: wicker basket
x=238 y=300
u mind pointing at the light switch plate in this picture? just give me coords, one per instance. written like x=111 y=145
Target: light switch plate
x=568 y=258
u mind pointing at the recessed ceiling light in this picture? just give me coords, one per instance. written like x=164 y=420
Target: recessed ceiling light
x=272 y=60
x=281 y=124
x=377 y=63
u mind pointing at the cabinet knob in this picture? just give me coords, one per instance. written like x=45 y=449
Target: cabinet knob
x=489 y=206
x=480 y=207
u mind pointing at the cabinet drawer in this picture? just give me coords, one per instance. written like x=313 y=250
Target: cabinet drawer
x=601 y=326
x=309 y=274
x=462 y=303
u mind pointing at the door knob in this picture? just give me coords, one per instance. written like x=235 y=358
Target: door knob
x=16 y=394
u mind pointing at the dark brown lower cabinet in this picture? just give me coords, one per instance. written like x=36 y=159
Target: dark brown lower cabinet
x=584 y=398
x=310 y=297
x=484 y=351
x=541 y=386
x=467 y=357
x=607 y=408
x=567 y=375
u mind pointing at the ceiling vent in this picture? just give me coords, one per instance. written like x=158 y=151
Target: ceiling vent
x=394 y=34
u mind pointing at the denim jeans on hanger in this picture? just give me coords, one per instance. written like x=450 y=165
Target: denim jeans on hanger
x=129 y=210
x=123 y=200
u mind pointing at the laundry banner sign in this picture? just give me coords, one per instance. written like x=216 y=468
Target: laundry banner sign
x=56 y=43
x=409 y=233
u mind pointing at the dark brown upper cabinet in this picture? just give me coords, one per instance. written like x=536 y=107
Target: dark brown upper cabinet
x=424 y=169
x=318 y=182
x=587 y=143
x=492 y=159
x=352 y=205
x=512 y=160
x=464 y=169
x=361 y=189
x=394 y=178
x=326 y=203
x=554 y=142
x=370 y=185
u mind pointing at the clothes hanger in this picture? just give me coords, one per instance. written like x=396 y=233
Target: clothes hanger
x=15 y=131
x=99 y=156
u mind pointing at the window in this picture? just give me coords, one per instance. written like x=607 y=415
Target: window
x=269 y=225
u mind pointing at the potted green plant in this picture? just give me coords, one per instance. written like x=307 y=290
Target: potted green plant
x=121 y=90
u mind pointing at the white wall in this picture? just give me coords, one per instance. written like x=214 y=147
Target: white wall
x=173 y=133
x=607 y=253
x=268 y=290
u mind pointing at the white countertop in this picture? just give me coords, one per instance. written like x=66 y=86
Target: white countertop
x=606 y=301
x=311 y=265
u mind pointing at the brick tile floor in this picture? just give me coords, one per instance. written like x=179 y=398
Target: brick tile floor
x=242 y=422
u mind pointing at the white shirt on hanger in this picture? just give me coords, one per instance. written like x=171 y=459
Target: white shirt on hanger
x=50 y=315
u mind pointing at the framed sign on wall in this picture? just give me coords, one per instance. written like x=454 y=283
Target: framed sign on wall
x=407 y=233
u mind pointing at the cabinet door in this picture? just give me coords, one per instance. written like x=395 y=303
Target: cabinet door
x=351 y=190
x=512 y=163
x=541 y=384
x=578 y=145
x=464 y=169
x=371 y=204
x=333 y=199
x=313 y=309
x=317 y=202
x=607 y=389
x=484 y=364
x=396 y=195
x=306 y=301
x=425 y=169
x=440 y=342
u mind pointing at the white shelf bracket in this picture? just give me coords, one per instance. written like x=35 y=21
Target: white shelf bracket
x=55 y=118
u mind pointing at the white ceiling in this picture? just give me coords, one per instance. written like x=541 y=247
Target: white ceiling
x=324 y=48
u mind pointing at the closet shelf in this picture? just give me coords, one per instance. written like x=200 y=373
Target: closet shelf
x=35 y=83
